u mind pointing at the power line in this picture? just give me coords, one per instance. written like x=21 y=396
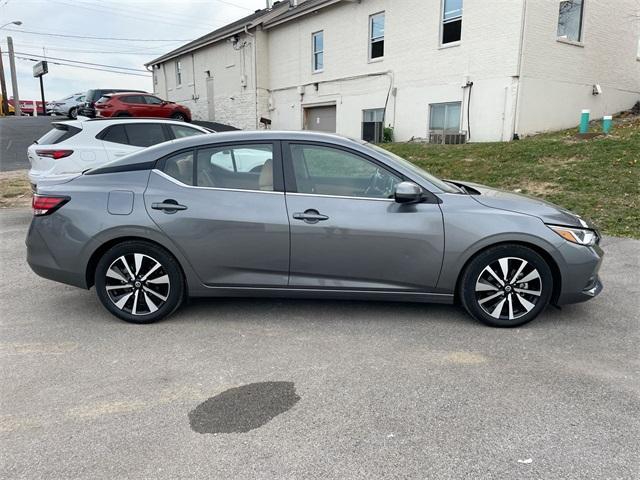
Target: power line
x=83 y=63
x=96 y=38
x=138 y=16
x=142 y=52
x=84 y=67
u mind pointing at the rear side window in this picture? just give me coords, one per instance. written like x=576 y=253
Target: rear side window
x=180 y=167
x=59 y=134
x=180 y=131
x=115 y=134
x=145 y=134
x=133 y=99
x=104 y=99
x=242 y=167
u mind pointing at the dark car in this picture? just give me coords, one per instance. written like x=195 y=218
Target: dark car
x=132 y=104
x=87 y=109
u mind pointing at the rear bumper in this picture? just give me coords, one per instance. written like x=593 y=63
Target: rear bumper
x=87 y=112
x=43 y=262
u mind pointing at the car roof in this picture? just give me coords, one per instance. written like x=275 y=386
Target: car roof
x=82 y=122
x=132 y=92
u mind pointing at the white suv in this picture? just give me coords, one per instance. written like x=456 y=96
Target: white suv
x=76 y=145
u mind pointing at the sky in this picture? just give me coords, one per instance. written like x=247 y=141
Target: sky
x=150 y=27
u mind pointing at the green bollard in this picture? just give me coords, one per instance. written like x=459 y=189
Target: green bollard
x=606 y=124
x=584 y=121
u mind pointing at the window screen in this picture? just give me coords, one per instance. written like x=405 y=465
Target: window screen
x=445 y=116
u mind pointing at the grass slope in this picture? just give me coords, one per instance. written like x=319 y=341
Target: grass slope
x=597 y=178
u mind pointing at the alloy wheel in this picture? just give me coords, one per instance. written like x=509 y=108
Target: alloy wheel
x=137 y=284
x=508 y=288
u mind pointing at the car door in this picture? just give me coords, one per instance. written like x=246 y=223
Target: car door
x=230 y=222
x=154 y=107
x=347 y=232
x=136 y=105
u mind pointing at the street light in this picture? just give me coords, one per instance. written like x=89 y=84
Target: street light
x=16 y=22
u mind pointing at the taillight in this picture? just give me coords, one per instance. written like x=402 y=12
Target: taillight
x=46 y=204
x=103 y=105
x=55 y=154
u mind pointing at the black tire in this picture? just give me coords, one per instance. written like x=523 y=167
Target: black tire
x=181 y=117
x=156 y=297
x=122 y=114
x=521 y=302
x=73 y=113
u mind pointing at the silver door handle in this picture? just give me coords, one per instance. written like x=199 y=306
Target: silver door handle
x=310 y=216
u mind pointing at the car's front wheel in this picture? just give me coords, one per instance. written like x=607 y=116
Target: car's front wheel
x=139 y=282
x=506 y=286
x=181 y=117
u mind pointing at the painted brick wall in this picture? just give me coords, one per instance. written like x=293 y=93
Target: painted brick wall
x=557 y=78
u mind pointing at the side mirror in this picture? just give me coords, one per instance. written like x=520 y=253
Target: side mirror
x=407 y=192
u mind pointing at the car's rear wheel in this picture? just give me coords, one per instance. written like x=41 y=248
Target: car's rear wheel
x=139 y=282
x=179 y=116
x=506 y=286
x=122 y=114
x=73 y=113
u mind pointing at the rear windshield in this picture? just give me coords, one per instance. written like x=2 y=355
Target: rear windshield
x=104 y=99
x=59 y=134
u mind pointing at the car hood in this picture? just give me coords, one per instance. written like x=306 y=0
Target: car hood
x=546 y=211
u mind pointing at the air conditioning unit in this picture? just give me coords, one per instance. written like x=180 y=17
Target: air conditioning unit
x=445 y=137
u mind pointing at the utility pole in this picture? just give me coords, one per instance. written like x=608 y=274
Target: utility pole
x=3 y=87
x=14 y=78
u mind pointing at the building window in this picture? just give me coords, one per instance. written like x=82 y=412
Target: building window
x=570 y=20
x=376 y=36
x=451 y=21
x=372 y=125
x=318 y=51
x=445 y=116
x=178 y=73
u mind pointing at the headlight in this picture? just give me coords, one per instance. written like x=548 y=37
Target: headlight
x=580 y=236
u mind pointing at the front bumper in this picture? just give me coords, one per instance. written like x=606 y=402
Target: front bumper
x=580 y=274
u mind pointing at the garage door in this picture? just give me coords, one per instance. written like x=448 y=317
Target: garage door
x=321 y=119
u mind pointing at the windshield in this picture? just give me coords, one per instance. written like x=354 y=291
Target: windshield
x=441 y=184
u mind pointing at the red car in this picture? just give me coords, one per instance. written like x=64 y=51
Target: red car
x=26 y=106
x=140 y=105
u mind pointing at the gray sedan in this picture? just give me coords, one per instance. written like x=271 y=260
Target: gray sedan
x=67 y=107
x=304 y=215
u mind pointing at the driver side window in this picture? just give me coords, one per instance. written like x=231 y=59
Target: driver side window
x=330 y=171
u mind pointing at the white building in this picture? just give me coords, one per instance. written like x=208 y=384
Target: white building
x=483 y=70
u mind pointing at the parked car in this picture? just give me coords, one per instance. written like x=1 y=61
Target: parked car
x=322 y=217
x=140 y=105
x=77 y=145
x=26 y=106
x=67 y=107
x=87 y=109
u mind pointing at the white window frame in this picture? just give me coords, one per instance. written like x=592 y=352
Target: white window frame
x=444 y=21
x=178 y=73
x=315 y=52
x=373 y=39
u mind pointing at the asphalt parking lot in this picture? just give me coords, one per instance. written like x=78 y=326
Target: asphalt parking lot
x=308 y=389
